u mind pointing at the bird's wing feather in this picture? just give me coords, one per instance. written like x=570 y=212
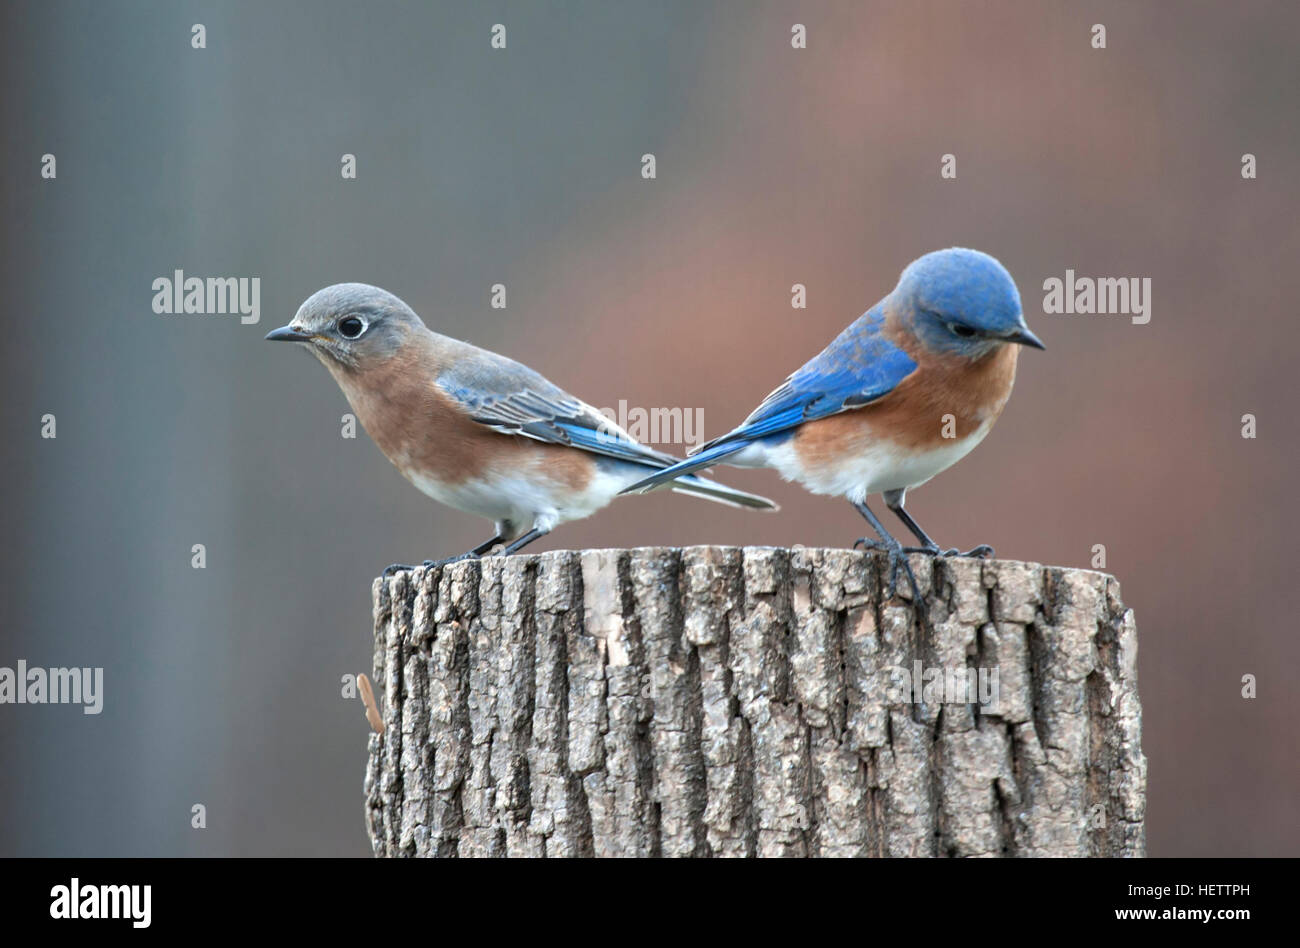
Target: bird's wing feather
x=511 y=398
x=857 y=368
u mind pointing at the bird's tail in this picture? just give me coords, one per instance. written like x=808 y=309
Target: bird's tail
x=721 y=493
x=682 y=469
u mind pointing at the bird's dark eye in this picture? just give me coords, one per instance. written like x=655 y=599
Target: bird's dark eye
x=351 y=326
x=965 y=332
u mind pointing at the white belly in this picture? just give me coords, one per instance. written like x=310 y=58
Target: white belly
x=880 y=467
x=522 y=499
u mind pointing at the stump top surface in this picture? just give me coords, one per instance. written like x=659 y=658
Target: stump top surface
x=713 y=550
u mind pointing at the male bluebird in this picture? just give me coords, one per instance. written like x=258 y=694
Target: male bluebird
x=472 y=429
x=901 y=394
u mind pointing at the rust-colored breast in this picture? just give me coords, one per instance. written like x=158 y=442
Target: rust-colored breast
x=422 y=430
x=912 y=416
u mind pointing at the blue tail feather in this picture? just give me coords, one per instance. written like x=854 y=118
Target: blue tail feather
x=704 y=459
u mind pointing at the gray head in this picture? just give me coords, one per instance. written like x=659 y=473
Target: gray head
x=961 y=301
x=351 y=325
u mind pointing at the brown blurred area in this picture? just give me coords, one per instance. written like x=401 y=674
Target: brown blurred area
x=775 y=166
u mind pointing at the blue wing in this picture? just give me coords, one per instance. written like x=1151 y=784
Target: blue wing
x=511 y=398
x=857 y=368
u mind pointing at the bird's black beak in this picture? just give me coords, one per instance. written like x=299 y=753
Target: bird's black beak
x=1022 y=337
x=287 y=334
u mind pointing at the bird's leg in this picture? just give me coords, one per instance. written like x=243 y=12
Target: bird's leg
x=517 y=545
x=894 y=501
x=486 y=546
x=478 y=551
x=481 y=550
x=897 y=555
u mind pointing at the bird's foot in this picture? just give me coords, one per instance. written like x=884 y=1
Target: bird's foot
x=429 y=564
x=471 y=555
x=977 y=552
x=934 y=549
x=897 y=554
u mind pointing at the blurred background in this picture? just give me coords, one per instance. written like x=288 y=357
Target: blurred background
x=522 y=166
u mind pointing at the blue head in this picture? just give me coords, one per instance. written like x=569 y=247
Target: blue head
x=961 y=301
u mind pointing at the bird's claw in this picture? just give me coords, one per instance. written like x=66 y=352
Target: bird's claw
x=429 y=564
x=976 y=552
x=897 y=560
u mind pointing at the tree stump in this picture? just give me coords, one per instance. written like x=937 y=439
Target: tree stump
x=719 y=701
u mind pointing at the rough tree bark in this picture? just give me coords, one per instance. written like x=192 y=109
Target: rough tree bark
x=739 y=702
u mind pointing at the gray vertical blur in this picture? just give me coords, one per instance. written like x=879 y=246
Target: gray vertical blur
x=522 y=166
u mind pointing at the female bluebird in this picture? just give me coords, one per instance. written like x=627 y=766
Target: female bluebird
x=901 y=394
x=472 y=429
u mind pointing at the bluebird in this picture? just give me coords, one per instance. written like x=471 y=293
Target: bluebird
x=904 y=392
x=472 y=429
